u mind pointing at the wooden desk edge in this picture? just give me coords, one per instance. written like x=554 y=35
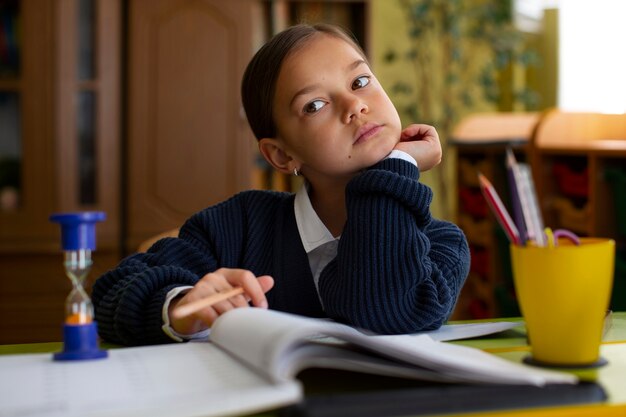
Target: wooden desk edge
x=591 y=410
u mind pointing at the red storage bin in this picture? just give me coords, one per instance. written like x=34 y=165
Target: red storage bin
x=571 y=183
x=480 y=261
x=473 y=202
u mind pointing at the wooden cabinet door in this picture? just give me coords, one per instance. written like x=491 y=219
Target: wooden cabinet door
x=26 y=104
x=188 y=145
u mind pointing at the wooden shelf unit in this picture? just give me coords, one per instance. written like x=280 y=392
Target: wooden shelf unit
x=480 y=142
x=578 y=162
x=570 y=153
x=579 y=167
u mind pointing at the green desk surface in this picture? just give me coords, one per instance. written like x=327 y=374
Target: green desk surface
x=505 y=341
x=510 y=345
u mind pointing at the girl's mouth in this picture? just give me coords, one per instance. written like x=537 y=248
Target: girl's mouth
x=366 y=131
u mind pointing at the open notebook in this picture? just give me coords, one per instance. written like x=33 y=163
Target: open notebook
x=250 y=365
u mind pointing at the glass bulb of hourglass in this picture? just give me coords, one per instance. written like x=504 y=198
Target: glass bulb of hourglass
x=78 y=306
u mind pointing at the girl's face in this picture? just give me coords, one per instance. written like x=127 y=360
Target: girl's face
x=332 y=115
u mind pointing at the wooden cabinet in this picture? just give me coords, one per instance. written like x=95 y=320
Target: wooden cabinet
x=189 y=145
x=26 y=104
x=351 y=15
x=59 y=108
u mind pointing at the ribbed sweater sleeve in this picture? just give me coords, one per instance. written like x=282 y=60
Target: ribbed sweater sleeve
x=398 y=269
x=128 y=300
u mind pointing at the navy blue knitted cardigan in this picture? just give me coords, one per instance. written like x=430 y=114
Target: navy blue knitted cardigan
x=397 y=270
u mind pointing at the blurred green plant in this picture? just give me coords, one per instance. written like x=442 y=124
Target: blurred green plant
x=466 y=56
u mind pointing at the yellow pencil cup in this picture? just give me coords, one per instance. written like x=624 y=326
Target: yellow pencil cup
x=564 y=292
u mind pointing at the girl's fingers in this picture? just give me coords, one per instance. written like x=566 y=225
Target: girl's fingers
x=239 y=301
x=225 y=279
x=266 y=282
x=418 y=132
x=224 y=306
x=220 y=281
x=253 y=288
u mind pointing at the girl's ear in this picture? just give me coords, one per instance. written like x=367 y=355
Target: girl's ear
x=273 y=152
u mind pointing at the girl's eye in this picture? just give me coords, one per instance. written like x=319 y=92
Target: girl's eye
x=314 y=106
x=360 y=82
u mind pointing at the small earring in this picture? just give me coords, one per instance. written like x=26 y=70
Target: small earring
x=295 y=172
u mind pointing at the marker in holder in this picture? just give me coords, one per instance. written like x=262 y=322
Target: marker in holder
x=80 y=332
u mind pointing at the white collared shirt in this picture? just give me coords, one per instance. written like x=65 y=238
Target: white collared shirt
x=320 y=246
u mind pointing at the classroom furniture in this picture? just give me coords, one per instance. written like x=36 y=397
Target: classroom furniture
x=571 y=154
x=578 y=162
x=511 y=345
x=131 y=108
x=59 y=150
x=189 y=144
x=579 y=168
x=480 y=142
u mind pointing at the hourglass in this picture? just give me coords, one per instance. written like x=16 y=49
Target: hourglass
x=80 y=333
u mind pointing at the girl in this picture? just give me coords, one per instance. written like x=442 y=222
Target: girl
x=356 y=244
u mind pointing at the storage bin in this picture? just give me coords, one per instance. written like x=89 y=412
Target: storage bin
x=571 y=182
x=469 y=168
x=473 y=202
x=617 y=178
x=480 y=261
x=569 y=216
x=477 y=231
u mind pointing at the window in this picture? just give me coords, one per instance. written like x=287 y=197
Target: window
x=592 y=64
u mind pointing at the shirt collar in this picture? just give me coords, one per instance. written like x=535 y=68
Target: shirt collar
x=312 y=230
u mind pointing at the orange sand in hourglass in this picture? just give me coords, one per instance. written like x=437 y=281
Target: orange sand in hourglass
x=78 y=318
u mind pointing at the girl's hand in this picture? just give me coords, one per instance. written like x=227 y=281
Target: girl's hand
x=422 y=143
x=224 y=279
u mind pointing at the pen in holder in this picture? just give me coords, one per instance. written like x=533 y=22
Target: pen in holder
x=80 y=333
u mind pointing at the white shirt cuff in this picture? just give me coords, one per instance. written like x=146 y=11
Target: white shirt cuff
x=402 y=155
x=167 y=328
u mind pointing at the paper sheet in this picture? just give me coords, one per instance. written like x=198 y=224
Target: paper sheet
x=170 y=380
x=450 y=332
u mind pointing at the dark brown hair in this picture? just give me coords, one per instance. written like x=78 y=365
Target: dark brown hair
x=258 y=86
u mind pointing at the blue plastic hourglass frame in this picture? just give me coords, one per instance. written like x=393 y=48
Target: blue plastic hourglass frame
x=80 y=341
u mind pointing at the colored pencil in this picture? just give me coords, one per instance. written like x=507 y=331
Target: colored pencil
x=516 y=205
x=530 y=206
x=498 y=209
x=194 y=306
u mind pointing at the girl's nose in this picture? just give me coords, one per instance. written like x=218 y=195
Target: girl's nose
x=354 y=108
